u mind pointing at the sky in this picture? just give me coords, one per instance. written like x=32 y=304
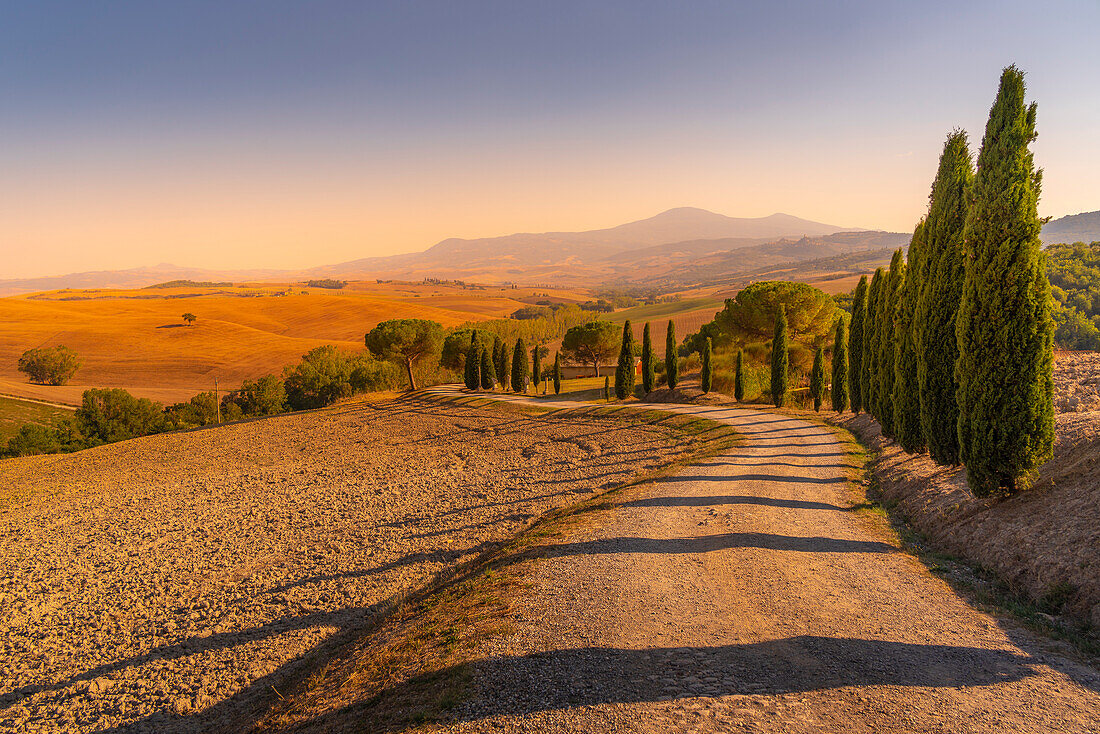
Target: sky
x=280 y=134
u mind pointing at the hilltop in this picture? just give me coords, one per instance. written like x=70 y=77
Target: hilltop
x=1084 y=227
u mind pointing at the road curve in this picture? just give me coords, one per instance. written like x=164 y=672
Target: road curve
x=746 y=593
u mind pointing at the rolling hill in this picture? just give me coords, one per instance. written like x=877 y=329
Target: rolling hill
x=1083 y=227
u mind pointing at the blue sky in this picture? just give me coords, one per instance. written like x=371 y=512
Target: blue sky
x=290 y=134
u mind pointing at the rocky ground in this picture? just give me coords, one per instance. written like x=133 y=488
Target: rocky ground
x=172 y=583
x=1077 y=382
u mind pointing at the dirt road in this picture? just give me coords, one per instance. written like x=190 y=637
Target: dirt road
x=746 y=593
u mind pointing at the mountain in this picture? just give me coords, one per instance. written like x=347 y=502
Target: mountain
x=1072 y=228
x=581 y=258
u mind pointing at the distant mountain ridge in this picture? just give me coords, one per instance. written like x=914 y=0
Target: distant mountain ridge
x=581 y=258
x=1084 y=227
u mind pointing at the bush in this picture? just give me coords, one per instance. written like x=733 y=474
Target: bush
x=34 y=439
x=109 y=415
x=263 y=396
x=49 y=365
x=327 y=374
x=201 y=410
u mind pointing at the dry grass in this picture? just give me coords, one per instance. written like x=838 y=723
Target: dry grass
x=136 y=340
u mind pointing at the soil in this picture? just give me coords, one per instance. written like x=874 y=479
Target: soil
x=172 y=583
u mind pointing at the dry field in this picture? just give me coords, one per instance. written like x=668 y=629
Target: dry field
x=136 y=340
x=169 y=583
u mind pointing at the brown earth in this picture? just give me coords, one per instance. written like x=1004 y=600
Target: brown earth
x=173 y=583
x=748 y=592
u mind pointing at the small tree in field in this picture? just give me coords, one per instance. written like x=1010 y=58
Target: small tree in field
x=649 y=362
x=557 y=373
x=190 y=318
x=624 y=371
x=817 y=379
x=780 y=360
x=707 y=374
x=672 y=362
x=488 y=374
x=519 y=367
x=405 y=340
x=739 y=376
x=49 y=365
x=839 y=389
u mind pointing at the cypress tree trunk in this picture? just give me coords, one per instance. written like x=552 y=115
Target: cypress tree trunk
x=739 y=376
x=624 y=370
x=868 y=378
x=649 y=359
x=855 y=346
x=838 y=391
x=1005 y=330
x=706 y=375
x=938 y=307
x=906 y=392
x=505 y=373
x=884 y=390
x=519 y=367
x=557 y=373
x=780 y=360
x=473 y=365
x=672 y=362
x=488 y=374
x=817 y=379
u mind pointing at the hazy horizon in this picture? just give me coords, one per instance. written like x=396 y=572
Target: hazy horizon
x=219 y=138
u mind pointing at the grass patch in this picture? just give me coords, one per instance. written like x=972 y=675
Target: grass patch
x=15 y=413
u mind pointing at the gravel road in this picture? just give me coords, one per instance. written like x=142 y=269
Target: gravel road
x=747 y=593
x=172 y=583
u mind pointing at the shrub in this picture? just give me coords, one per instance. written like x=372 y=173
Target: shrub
x=109 y=415
x=49 y=365
x=327 y=374
x=263 y=396
x=34 y=439
x=201 y=410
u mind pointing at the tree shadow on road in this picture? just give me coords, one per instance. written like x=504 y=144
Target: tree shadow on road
x=733 y=499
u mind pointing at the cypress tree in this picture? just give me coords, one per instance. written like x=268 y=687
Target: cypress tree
x=499 y=353
x=706 y=375
x=606 y=388
x=519 y=367
x=838 y=391
x=488 y=374
x=557 y=373
x=938 y=307
x=624 y=371
x=649 y=376
x=817 y=379
x=906 y=390
x=855 y=345
x=884 y=328
x=780 y=359
x=1005 y=329
x=472 y=373
x=868 y=378
x=536 y=366
x=672 y=363
x=505 y=372
x=739 y=376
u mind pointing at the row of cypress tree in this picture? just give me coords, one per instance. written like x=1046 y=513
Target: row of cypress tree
x=952 y=349
x=625 y=377
x=488 y=366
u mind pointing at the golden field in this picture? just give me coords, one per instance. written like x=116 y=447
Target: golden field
x=136 y=339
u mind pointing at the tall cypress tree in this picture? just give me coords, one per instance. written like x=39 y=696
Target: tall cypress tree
x=706 y=375
x=536 y=366
x=838 y=391
x=498 y=361
x=1005 y=330
x=855 y=345
x=505 y=373
x=488 y=374
x=739 y=376
x=472 y=372
x=868 y=379
x=519 y=367
x=672 y=362
x=817 y=379
x=557 y=373
x=780 y=359
x=938 y=307
x=624 y=371
x=906 y=390
x=884 y=329
x=649 y=359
